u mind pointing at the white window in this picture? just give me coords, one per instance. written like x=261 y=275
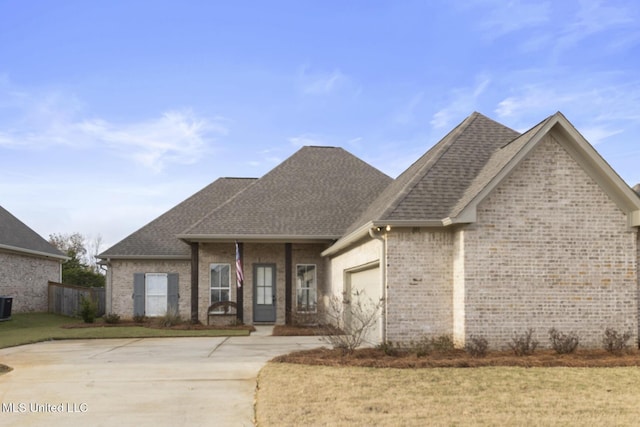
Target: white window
x=306 y=287
x=220 y=283
x=155 y=294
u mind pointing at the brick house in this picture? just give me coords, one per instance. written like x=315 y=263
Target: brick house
x=489 y=233
x=27 y=263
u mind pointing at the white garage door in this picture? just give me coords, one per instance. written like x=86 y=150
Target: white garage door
x=368 y=283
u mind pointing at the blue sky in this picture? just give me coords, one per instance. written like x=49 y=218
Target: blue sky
x=112 y=112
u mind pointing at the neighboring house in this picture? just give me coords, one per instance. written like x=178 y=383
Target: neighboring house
x=27 y=264
x=491 y=232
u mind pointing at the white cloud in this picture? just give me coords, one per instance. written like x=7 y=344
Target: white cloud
x=322 y=82
x=506 y=17
x=464 y=100
x=176 y=137
x=39 y=120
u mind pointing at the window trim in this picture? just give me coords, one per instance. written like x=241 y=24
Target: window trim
x=308 y=288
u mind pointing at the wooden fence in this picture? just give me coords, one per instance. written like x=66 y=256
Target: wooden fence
x=65 y=299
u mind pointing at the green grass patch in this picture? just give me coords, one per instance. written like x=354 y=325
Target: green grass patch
x=30 y=328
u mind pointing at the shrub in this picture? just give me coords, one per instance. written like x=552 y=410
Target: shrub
x=350 y=320
x=389 y=348
x=476 y=346
x=523 y=344
x=88 y=309
x=139 y=318
x=421 y=348
x=442 y=344
x=112 y=318
x=170 y=318
x=615 y=342
x=563 y=343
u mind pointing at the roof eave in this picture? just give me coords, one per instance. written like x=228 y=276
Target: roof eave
x=257 y=238
x=61 y=258
x=143 y=257
x=363 y=231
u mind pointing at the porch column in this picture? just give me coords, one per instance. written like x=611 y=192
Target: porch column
x=240 y=283
x=195 y=261
x=288 y=282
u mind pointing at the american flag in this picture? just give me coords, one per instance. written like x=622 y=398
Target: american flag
x=239 y=273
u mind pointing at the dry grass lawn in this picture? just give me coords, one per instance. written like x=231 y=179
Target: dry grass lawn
x=294 y=395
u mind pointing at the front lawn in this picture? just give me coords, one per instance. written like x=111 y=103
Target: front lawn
x=35 y=327
x=293 y=395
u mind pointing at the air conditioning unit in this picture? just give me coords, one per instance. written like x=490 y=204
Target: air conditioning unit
x=5 y=308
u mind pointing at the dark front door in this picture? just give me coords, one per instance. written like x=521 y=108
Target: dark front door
x=264 y=293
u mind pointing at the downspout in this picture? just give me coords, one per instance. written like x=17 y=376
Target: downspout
x=376 y=233
x=109 y=285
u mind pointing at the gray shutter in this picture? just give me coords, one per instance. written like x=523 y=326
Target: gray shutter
x=172 y=293
x=138 y=294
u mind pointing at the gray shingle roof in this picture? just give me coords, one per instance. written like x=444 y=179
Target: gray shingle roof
x=158 y=238
x=14 y=234
x=317 y=192
x=498 y=160
x=432 y=187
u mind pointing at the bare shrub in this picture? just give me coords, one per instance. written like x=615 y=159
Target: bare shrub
x=615 y=342
x=350 y=319
x=170 y=318
x=476 y=346
x=523 y=344
x=563 y=343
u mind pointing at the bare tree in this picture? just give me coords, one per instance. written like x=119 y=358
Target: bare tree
x=350 y=320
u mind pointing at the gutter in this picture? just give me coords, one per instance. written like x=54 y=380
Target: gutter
x=272 y=238
x=62 y=258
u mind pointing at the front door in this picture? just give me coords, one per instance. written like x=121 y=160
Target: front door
x=264 y=293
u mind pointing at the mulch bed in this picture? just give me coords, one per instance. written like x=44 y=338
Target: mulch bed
x=156 y=325
x=299 y=331
x=371 y=357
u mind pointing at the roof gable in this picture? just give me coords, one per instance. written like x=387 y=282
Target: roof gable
x=17 y=236
x=431 y=187
x=158 y=238
x=503 y=161
x=314 y=194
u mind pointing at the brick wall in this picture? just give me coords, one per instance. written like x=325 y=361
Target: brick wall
x=419 y=283
x=25 y=279
x=119 y=290
x=549 y=249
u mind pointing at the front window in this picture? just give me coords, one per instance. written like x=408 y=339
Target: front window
x=156 y=294
x=306 y=287
x=220 y=283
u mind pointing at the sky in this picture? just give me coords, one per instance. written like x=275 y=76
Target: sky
x=112 y=112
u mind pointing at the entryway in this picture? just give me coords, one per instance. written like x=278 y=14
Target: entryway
x=264 y=291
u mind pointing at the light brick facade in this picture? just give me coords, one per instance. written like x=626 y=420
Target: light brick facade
x=550 y=249
x=119 y=291
x=419 y=288
x=25 y=278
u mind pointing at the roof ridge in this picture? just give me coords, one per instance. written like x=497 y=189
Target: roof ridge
x=186 y=231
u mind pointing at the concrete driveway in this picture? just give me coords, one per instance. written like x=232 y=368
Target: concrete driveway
x=138 y=382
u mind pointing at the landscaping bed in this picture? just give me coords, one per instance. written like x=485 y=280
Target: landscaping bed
x=186 y=326
x=373 y=357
